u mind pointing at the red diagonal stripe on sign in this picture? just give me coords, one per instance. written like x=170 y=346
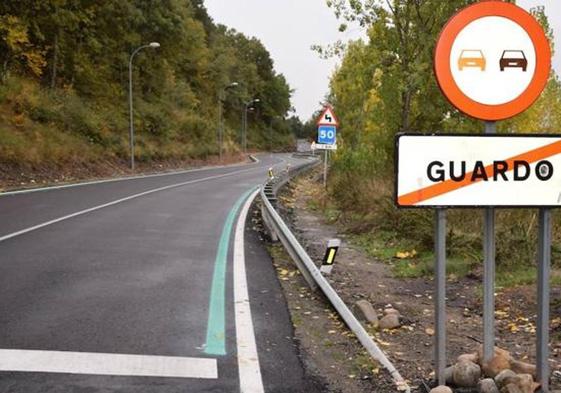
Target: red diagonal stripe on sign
x=447 y=186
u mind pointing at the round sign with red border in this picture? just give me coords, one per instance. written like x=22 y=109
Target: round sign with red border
x=492 y=60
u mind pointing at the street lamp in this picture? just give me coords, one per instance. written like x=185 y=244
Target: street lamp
x=221 y=98
x=244 y=122
x=152 y=45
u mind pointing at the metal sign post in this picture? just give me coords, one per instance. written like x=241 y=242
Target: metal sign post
x=544 y=266
x=489 y=273
x=440 y=295
x=495 y=170
x=325 y=169
x=488 y=77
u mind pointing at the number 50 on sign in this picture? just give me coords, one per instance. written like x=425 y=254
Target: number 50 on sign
x=327 y=135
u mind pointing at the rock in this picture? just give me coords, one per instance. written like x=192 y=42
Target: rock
x=441 y=389
x=505 y=377
x=498 y=352
x=390 y=322
x=523 y=368
x=470 y=357
x=449 y=375
x=511 y=388
x=499 y=363
x=466 y=374
x=487 y=385
x=526 y=383
x=391 y=311
x=367 y=312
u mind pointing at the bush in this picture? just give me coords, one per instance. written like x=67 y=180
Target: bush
x=364 y=195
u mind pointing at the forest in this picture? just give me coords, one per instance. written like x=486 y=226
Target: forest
x=64 y=85
x=385 y=85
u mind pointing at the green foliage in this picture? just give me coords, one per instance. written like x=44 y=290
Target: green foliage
x=385 y=86
x=78 y=52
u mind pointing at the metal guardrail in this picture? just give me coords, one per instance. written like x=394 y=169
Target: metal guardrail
x=280 y=231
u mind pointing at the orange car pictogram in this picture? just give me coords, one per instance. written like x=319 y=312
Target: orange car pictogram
x=472 y=58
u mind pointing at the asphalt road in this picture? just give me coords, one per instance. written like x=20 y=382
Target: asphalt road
x=130 y=286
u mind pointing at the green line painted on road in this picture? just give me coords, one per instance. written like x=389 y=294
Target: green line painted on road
x=216 y=328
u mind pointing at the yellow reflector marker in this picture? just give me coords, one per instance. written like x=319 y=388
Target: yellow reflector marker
x=331 y=256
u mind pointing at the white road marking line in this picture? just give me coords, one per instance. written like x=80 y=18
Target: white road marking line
x=125 y=178
x=107 y=364
x=82 y=212
x=248 y=359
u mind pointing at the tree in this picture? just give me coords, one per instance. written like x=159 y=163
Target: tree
x=16 y=49
x=79 y=50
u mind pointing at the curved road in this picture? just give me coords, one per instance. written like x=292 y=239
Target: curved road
x=150 y=284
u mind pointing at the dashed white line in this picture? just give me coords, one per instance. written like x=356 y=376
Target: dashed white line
x=248 y=359
x=107 y=364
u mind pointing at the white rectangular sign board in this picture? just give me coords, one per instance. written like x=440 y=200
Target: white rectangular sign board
x=478 y=170
x=320 y=146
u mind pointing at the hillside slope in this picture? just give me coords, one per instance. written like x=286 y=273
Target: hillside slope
x=64 y=87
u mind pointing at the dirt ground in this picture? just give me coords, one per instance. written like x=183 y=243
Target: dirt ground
x=18 y=177
x=331 y=351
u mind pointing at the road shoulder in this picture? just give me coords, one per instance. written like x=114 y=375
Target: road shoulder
x=282 y=366
x=357 y=276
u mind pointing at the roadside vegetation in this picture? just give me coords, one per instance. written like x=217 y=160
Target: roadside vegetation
x=64 y=84
x=385 y=86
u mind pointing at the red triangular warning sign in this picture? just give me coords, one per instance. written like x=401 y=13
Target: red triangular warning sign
x=328 y=118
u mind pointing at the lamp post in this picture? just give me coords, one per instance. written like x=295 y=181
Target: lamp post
x=244 y=122
x=221 y=98
x=153 y=45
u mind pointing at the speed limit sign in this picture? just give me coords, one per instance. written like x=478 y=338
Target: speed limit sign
x=327 y=135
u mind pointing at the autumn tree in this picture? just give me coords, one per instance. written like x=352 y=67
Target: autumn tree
x=81 y=48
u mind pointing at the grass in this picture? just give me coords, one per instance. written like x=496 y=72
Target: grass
x=43 y=128
x=383 y=232
x=386 y=247
x=524 y=275
x=363 y=364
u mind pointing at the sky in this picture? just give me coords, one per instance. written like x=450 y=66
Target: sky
x=288 y=29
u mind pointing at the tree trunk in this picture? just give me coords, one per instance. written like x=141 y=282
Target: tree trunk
x=4 y=71
x=55 y=61
x=406 y=110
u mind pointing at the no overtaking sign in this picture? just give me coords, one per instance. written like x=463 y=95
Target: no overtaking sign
x=492 y=60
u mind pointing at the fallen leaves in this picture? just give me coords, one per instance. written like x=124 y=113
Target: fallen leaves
x=406 y=254
x=381 y=342
x=286 y=274
x=502 y=314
